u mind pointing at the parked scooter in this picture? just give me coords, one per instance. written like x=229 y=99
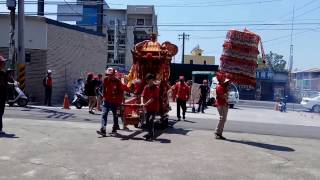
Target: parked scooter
x=17 y=95
x=80 y=100
x=283 y=104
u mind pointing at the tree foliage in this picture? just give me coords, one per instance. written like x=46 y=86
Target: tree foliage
x=276 y=62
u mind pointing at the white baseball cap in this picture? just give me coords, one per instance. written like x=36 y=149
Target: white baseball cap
x=110 y=71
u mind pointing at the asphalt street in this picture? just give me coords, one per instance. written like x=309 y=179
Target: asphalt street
x=268 y=105
x=241 y=119
x=53 y=143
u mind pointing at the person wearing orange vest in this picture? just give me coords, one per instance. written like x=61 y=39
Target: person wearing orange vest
x=182 y=94
x=47 y=84
x=113 y=96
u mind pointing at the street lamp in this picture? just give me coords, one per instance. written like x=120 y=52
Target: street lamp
x=11 y=4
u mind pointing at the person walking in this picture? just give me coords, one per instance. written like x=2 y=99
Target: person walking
x=222 y=104
x=183 y=93
x=150 y=99
x=204 y=90
x=3 y=90
x=113 y=96
x=90 y=91
x=47 y=84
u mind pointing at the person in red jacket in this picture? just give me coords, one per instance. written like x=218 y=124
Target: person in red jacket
x=182 y=95
x=150 y=99
x=222 y=104
x=113 y=96
x=47 y=84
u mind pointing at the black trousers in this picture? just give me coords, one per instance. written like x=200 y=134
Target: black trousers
x=47 y=97
x=150 y=116
x=2 y=105
x=183 y=105
x=202 y=104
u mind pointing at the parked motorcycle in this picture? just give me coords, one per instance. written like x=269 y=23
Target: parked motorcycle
x=80 y=100
x=17 y=95
x=283 y=104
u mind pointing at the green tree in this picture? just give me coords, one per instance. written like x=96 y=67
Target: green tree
x=276 y=62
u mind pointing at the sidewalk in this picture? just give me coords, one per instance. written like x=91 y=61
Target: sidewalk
x=72 y=150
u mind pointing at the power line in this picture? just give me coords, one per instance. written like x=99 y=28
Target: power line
x=72 y=8
x=223 y=30
x=310 y=11
x=194 y=5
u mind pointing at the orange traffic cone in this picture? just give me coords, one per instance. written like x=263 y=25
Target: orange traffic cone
x=66 y=103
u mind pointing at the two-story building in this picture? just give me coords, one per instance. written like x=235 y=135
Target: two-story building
x=305 y=83
x=270 y=86
x=124 y=29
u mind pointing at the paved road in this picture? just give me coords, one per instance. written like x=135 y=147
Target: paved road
x=242 y=119
x=268 y=105
x=41 y=150
x=52 y=143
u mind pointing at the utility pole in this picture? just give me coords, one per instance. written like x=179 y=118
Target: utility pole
x=11 y=4
x=21 y=49
x=40 y=11
x=291 y=46
x=99 y=16
x=116 y=44
x=184 y=37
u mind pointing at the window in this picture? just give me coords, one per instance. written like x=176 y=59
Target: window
x=205 y=62
x=140 y=22
x=191 y=61
x=110 y=38
x=111 y=48
x=122 y=39
x=306 y=84
x=28 y=57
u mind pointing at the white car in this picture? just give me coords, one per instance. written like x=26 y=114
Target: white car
x=312 y=103
x=233 y=95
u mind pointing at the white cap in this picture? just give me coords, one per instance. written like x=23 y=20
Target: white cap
x=49 y=71
x=2 y=59
x=110 y=71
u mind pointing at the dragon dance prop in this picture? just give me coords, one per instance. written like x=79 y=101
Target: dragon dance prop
x=240 y=55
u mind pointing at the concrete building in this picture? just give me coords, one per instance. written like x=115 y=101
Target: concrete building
x=305 y=83
x=124 y=29
x=196 y=57
x=69 y=51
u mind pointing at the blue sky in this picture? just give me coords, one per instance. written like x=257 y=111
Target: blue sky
x=233 y=12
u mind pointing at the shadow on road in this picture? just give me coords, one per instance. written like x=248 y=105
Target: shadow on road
x=263 y=145
x=8 y=136
x=189 y=121
x=158 y=132
x=52 y=113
